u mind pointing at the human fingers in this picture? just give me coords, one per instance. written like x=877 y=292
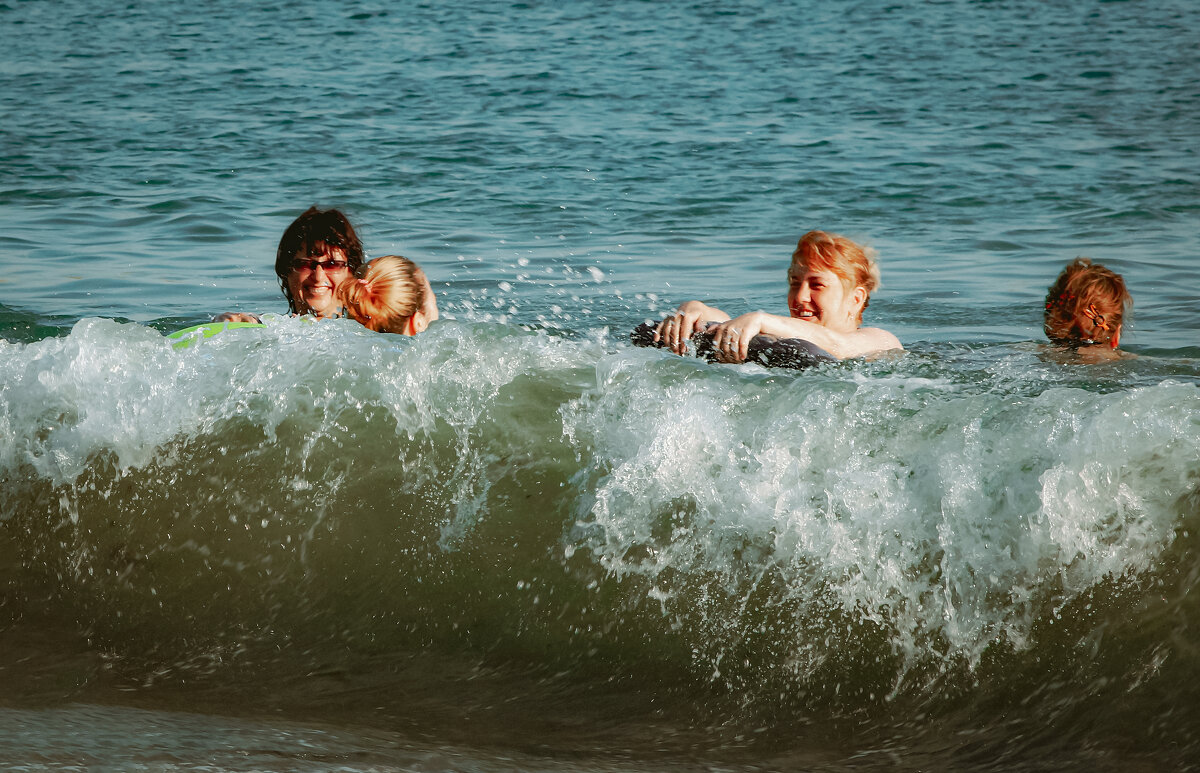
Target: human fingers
x=676 y=337
x=688 y=323
x=743 y=345
x=668 y=332
x=750 y=328
x=660 y=330
x=724 y=337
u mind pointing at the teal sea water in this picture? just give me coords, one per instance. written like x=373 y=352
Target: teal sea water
x=516 y=542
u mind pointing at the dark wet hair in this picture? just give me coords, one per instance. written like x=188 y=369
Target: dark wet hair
x=315 y=233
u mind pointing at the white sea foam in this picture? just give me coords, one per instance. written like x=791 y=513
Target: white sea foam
x=940 y=505
x=938 y=510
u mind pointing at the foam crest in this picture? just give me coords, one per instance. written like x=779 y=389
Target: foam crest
x=923 y=511
x=120 y=388
x=100 y=387
x=954 y=517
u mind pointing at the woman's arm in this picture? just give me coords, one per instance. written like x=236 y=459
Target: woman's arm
x=732 y=338
x=676 y=330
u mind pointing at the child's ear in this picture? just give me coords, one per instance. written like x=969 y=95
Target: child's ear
x=860 y=297
x=1116 y=339
x=416 y=323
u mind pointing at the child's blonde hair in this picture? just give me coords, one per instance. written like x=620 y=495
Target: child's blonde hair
x=855 y=265
x=1086 y=304
x=386 y=294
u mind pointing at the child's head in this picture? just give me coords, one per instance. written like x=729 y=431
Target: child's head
x=390 y=295
x=1086 y=305
x=854 y=265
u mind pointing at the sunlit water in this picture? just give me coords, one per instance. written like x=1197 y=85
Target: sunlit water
x=516 y=542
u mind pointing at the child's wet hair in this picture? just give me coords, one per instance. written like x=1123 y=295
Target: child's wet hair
x=1087 y=304
x=388 y=291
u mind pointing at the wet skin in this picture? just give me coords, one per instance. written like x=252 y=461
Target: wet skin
x=312 y=286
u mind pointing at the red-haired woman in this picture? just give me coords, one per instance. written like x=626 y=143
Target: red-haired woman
x=830 y=281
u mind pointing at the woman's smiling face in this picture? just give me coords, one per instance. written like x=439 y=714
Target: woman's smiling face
x=820 y=296
x=312 y=281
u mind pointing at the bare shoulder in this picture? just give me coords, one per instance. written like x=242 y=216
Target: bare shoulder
x=869 y=340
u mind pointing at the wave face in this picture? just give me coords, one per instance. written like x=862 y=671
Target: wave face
x=936 y=543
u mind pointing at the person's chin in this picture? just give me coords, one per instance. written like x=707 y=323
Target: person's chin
x=321 y=304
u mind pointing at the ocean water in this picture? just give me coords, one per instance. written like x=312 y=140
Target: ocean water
x=516 y=542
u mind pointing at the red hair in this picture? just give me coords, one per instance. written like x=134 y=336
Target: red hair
x=1086 y=304
x=853 y=264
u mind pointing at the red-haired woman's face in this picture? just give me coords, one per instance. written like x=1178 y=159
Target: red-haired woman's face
x=312 y=281
x=820 y=296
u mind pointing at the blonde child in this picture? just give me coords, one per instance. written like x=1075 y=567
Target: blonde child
x=1086 y=307
x=390 y=294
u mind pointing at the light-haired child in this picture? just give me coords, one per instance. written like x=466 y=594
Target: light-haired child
x=1086 y=307
x=390 y=294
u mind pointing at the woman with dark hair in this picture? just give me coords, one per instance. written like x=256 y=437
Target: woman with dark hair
x=318 y=251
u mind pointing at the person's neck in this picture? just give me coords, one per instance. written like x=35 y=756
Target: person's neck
x=845 y=326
